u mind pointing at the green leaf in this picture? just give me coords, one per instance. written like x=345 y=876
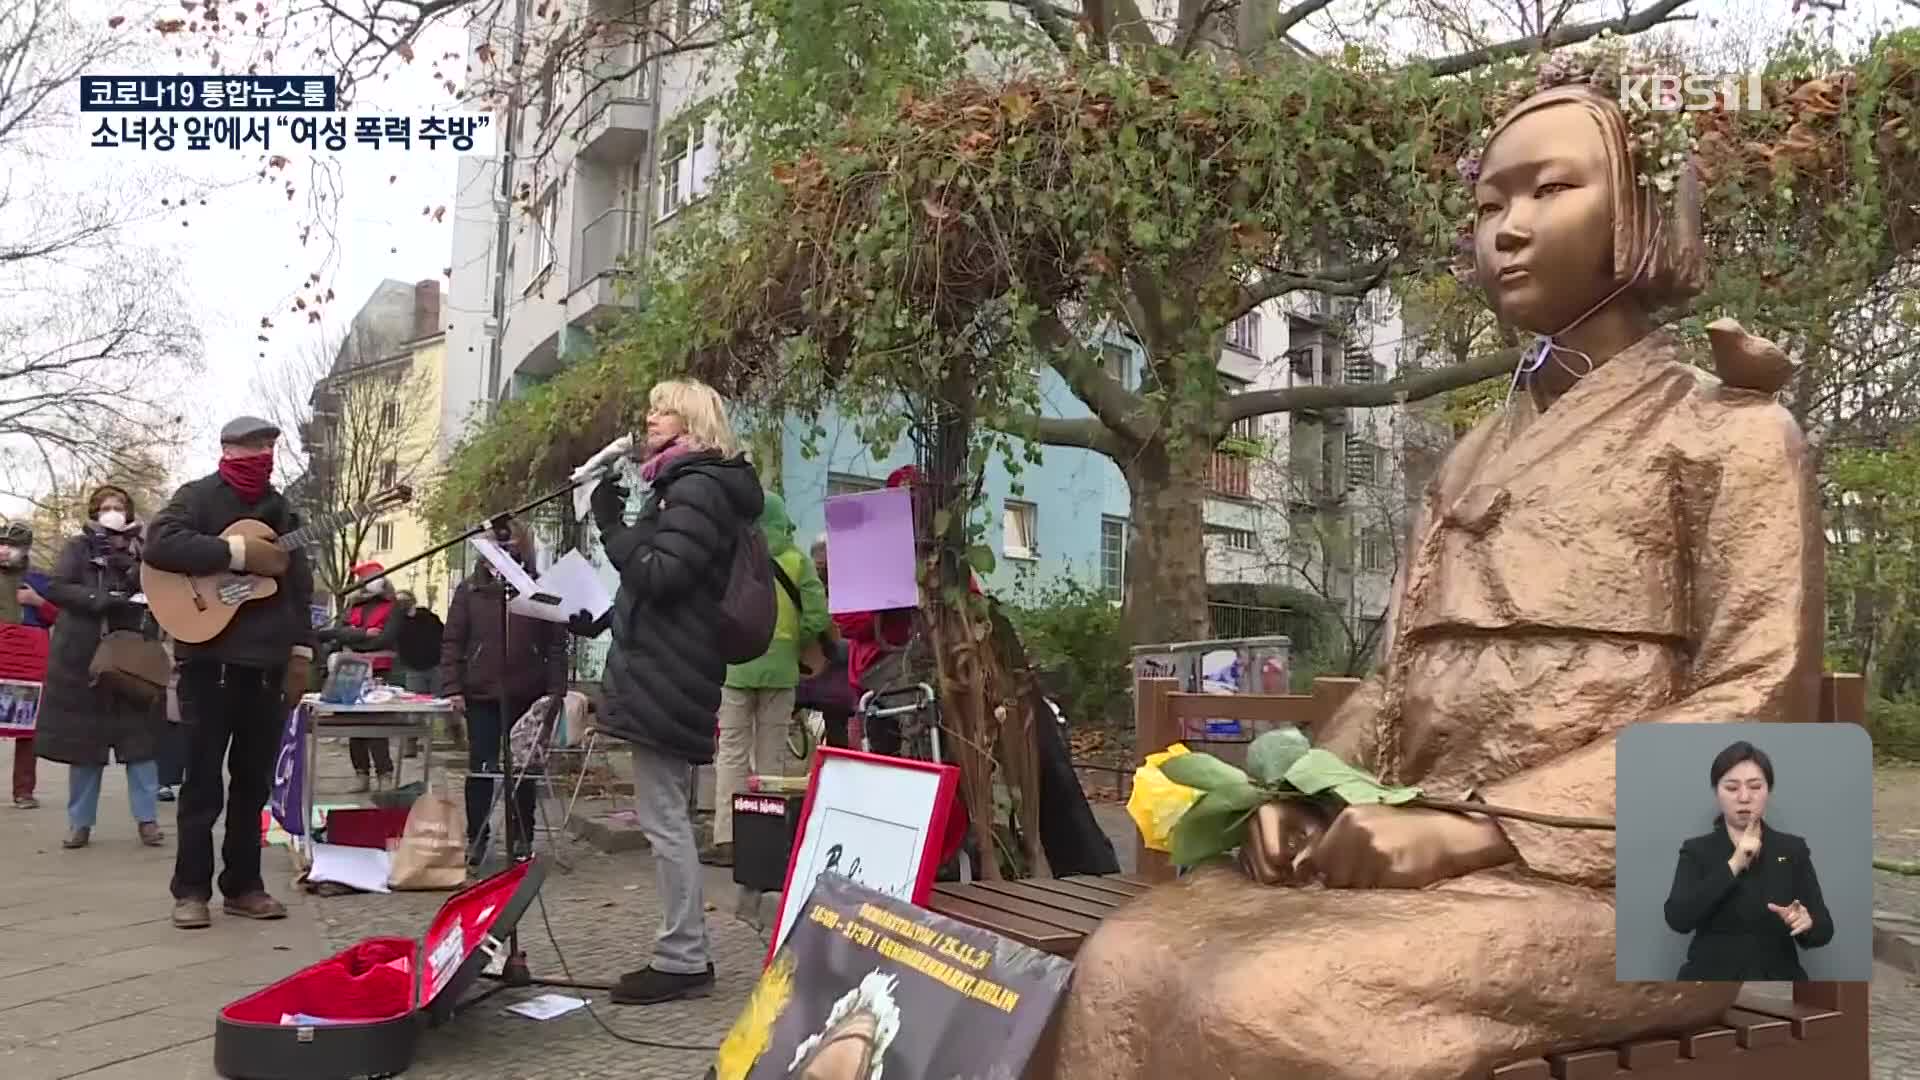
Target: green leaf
x=1274 y=752
x=1202 y=771
x=980 y=557
x=1320 y=771
x=1214 y=825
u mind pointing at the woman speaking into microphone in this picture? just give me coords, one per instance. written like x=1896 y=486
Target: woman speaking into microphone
x=667 y=661
x=1746 y=891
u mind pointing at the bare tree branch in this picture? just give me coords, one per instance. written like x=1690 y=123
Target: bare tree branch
x=1625 y=25
x=1354 y=281
x=1251 y=403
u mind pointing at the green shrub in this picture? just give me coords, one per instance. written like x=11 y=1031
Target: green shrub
x=1075 y=631
x=1895 y=727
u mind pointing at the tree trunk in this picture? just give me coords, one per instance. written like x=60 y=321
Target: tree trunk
x=1167 y=563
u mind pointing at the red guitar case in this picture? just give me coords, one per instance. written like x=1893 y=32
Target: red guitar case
x=361 y=1012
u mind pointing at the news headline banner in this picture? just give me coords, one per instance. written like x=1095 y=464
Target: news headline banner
x=269 y=114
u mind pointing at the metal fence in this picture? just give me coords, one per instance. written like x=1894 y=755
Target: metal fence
x=1238 y=620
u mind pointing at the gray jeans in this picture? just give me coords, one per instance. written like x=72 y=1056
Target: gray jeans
x=662 y=787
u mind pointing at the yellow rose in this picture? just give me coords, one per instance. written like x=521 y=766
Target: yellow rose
x=1157 y=802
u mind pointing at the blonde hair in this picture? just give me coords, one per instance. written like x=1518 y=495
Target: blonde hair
x=701 y=409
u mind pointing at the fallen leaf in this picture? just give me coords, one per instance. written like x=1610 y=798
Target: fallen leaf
x=266 y=323
x=170 y=26
x=439 y=213
x=114 y=23
x=391 y=179
x=329 y=294
x=406 y=52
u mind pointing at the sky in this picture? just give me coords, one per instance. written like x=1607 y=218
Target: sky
x=241 y=259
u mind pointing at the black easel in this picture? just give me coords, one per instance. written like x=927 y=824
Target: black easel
x=515 y=973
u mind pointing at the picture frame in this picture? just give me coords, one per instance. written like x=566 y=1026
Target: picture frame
x=19 y=708
x=878 y=820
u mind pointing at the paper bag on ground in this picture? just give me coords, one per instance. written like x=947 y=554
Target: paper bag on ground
x=432 y=852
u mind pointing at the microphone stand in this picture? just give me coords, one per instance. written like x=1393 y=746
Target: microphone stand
x=515 y=973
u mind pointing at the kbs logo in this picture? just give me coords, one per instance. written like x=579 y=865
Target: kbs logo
x=1692 y=93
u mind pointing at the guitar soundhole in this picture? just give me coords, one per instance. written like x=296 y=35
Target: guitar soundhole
x=235 y=591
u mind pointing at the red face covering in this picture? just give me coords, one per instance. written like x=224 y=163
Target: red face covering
x=248 y=475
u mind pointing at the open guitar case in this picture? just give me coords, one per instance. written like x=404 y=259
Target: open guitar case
x=361 y=1012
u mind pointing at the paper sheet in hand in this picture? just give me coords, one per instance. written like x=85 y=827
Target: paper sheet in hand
x=504 y=564
x=870 y=551
x=574 y=580
x=365 y=869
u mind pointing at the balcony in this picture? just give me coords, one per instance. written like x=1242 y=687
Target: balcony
x=1230 y=476
x=619 y=119
x=598 y=282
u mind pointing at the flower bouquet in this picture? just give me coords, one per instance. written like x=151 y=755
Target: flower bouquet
x=1194 y=806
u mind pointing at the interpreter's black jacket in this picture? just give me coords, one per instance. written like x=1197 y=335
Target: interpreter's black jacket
x=1735 y=936
x=664 y=669
x=184 y=538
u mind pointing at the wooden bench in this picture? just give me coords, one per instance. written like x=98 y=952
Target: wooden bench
x=1821 y=1032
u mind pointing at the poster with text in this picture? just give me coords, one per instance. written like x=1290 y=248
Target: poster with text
x=868 y=987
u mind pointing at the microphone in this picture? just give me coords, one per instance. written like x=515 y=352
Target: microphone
x=600 y=460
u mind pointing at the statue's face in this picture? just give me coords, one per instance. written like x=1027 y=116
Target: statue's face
x=1543 y=227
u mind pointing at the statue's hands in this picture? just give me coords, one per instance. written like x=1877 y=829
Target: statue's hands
x=1276 y=835
x=1397 y=847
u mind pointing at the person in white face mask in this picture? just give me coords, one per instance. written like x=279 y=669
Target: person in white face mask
x=83 y=725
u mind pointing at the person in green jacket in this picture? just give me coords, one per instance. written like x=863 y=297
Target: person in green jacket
x=756 y=702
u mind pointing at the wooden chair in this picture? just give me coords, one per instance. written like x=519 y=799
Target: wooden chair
x=1821 y=1031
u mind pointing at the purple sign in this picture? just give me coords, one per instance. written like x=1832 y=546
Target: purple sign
x=870 y=552
x=290 y=774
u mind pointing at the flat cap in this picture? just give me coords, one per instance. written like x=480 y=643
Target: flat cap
x=247 y=428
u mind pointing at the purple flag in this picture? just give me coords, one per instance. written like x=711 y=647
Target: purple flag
x=290 y=774
x=870 y=551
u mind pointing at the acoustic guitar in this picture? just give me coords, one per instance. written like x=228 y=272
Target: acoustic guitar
x=196 y=608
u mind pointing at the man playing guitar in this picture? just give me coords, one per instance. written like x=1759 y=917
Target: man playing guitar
x=234 y=688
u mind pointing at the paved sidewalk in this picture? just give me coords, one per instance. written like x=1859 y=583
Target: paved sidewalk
x=94 y=980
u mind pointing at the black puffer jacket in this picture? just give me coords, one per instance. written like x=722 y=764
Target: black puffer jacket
x=80 y=722
x=664 y=669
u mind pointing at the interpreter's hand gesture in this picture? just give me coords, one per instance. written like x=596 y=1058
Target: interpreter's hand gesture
x=1795 y=916
x=1747 y=847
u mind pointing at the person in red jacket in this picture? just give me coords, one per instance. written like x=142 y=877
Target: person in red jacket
x=370 y=629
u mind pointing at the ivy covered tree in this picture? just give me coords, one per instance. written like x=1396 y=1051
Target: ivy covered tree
x=900 y=227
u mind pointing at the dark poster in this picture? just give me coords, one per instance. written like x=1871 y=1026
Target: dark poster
x=872 y=988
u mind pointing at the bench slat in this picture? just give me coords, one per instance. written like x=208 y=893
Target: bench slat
x=1585 y=1065
x=1131 y=884
x=1757 y=1031
x=1708 y=1044
x=1650 y=1054
x=1111 y=895
x=1806 y=1021
x=1534 y=1069
x=1043 y=936
x=1065 y=921
x=1054 y=895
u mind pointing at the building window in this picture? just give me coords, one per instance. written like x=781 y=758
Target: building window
x=1302 y=538
x=695 y=13
x=1243 y=333
x=389 y=473
x=848 y=484
x=1017 y=530
x=389 y=415
x=672 y=165
x=1113 y=557
x=1235 y=539
x=702 y=158
x=1117 y=360
x=1376 y=551
x=383 y=536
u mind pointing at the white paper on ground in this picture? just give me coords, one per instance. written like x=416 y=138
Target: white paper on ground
x=365 y=869
x=547 y=1006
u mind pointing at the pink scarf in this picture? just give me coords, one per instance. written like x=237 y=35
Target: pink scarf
x=650 y=469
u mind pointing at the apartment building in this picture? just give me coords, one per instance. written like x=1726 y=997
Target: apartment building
x=625 y=160
x=375 y=423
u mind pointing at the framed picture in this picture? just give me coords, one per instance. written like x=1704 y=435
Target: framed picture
x=19 y=708
x=877 y=820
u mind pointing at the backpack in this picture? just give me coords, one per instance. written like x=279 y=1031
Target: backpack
x=419 y=644
x=745 y=620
